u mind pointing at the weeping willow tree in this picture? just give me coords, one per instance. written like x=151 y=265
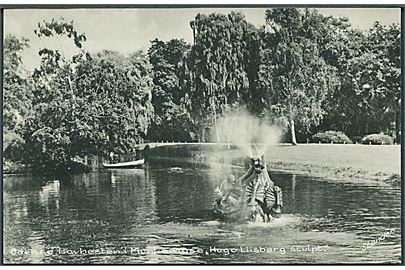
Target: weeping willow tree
x=220 y=66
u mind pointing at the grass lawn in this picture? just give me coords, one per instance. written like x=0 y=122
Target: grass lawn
x=365 y=162
x=332 y=161
x=371 y=158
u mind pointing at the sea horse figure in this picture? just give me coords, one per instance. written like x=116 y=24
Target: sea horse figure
x=263 y=197
x=251 y=196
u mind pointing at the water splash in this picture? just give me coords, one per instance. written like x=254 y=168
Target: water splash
x=249 y=134
x=243 y=129
x=283 y=221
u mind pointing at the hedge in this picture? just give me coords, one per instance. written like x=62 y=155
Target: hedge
x=331 y=137
x=377 y=139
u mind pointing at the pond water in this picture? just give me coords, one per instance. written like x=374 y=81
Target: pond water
x=163 y=214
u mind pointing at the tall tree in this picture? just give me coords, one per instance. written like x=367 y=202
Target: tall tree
x=85 y=106
x=382 y=81
x=343 y=44
x=115 y=95
x=220 y=65
x=17 y=95
x=17 y=88
x=47 y=130
x=300 y=77
x=170 y=93
x=367 y=99
x=54 y=60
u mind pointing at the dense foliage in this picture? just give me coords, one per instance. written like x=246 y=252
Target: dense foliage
x=17 y=93
x=170 y=98
x=297 y=76
x=304 y=71
x=368 y=97
x=330 y=137
x=221 y=63
x=377 y=139
x=86 y=105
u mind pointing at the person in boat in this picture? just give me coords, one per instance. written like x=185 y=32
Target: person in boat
x=145 y=152
x=112 y=157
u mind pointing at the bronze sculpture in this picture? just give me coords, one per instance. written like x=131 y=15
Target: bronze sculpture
x=254 y=195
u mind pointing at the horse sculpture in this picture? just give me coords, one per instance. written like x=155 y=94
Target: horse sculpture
x=252 y=196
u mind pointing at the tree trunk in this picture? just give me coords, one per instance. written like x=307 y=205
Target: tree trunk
x=292 y=129
x=367 y=120
x=397 y=127
x=201 y=139
x=218 y=137
x=214 y=123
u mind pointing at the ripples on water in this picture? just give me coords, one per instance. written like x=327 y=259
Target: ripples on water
x=142 y=213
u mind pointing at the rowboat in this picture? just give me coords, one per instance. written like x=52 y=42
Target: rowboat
x=128 y=164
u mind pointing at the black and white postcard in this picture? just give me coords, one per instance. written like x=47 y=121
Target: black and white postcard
x=202 y=134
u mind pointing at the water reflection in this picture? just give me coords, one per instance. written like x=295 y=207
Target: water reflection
x=168 y=206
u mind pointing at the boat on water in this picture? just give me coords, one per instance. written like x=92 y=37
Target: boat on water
x=123 y=165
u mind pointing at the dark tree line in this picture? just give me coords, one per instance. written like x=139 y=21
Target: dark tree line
x=302 y=70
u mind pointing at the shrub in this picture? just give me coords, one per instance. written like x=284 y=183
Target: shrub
x=331 y=136
x=357 y=139
x=377 y=139
x=11 y=167
x=12 y=146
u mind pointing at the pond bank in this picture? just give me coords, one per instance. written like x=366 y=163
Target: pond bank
x=338 y=162
x=335 y=173
x=349 y=162
x=19 y=168
x=11 y=167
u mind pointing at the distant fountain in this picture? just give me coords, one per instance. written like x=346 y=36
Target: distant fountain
x=253 y=195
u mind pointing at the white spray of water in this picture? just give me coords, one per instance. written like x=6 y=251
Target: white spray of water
x=243 y=130
x=240 y=129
